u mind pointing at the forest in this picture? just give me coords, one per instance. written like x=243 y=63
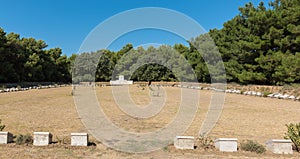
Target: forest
x=260 y=45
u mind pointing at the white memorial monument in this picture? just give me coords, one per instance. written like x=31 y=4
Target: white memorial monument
x=121 y=81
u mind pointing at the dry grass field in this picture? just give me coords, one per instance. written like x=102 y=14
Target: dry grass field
x=53 y=110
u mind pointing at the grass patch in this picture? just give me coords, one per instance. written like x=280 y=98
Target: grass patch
x=253 y=146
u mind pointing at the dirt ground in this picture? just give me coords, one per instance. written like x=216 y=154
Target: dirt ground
x=53 y=110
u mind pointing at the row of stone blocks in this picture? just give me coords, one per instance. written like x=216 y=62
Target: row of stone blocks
x=180 y=142
x=231 y=144
x=45 y=138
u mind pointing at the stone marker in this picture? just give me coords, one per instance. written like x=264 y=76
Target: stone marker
x=42 y=138
x=79 y=139
x=120 y=81
x=5 y=137
x=292 y=97
x=259 y=94
x=226 y=144
x=184 y=142
x=280 y=146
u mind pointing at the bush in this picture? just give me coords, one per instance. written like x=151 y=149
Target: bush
x=2 y=87
x=1 y=126
x=253 y=146
x=266 y=93
x=205 y=142
x=61 y=141
x=293 y=133
x=23 y=139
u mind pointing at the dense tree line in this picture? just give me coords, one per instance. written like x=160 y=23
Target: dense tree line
x=261 y=45
x=27 y=60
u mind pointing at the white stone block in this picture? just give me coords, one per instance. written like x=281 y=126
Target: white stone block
x=292 y=97
x=184 y=142
x=280 y=146
x=226 y=144
x=79 y=139
x=5 y=137
x=42 y=138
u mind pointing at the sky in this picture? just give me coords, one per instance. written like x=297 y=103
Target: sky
x=67 y=23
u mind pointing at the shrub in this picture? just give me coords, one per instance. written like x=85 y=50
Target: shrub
x=293 y=133
x=205 y=142
x=266 y=93
x=61 y=141
x=2 y=87
x=166 y=149
x=242 y=91
x=23 y=139
x=1 y=126
x=253 y=146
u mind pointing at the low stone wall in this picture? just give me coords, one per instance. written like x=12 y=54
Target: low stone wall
x=5 y=88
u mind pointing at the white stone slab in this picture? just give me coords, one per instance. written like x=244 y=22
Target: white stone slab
x=279 y=146
x=117 y=82
x=226 y=144
x=5 y=137
x=184 y=142
x=79 y=139
x=42 y=138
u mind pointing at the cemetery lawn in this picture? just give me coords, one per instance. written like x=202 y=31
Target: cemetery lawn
x=53 y=110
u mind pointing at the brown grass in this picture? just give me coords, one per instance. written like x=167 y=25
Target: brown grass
x=53 y=110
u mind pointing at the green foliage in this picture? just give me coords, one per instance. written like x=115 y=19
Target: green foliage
x=260 y=45
x=2 y=87
x=266 y=93
x=293 y=133
x=27 y=60
x=23 y=139
x=253 y=146
x=1 y=126
x=85 y=67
